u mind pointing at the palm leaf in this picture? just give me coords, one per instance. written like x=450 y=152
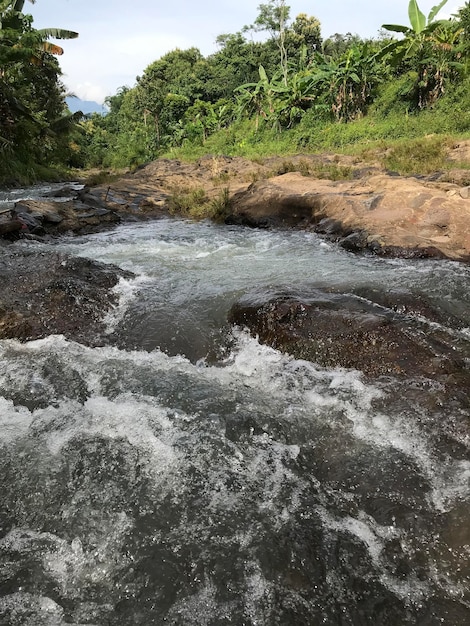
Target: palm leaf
x=435 y=10
x=52 y=48
x=397 y=28
x=262 y=74
x=57 y=33
x=417 y=17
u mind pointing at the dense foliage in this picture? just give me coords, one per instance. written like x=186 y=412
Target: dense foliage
x=291 y=91
x=294 y=87
x=34 y=122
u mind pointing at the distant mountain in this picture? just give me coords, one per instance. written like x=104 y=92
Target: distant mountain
x=85 y=106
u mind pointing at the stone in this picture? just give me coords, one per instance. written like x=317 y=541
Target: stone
x=49 y=293
x=346 y=330
x=355 y=242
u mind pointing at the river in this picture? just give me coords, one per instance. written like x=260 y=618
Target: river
x=187 y=475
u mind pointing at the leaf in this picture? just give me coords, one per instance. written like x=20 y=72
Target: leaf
x=52 y=48
x=436 y=25
x=397 y=28
x=57 y=33
x=417 y=18
x=435 y=10
x=388 y=48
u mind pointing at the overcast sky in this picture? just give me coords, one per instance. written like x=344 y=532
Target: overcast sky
x=119 y=38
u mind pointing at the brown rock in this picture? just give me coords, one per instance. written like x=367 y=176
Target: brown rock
x=9 y=226
x=43 y=294
x=399 y=212
x=343 y=330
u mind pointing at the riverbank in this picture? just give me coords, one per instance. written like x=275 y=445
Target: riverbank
x=354 y=202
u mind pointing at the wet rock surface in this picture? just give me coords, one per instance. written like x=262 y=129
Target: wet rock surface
x=44 y=293
x=395 y=335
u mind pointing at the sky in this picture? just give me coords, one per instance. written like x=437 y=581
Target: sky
x=118 y=39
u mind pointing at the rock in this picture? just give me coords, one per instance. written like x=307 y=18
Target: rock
x=9 y=226
x=355 y=242
x=67 y=191
x=395 y=213
x=465 y=193
x=30 y=223
x=49 y=217
x=49 y=293
x=345 y=330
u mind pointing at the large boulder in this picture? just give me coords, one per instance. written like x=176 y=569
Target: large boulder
x=49 y=293
x=350 y=331
x=387 y=214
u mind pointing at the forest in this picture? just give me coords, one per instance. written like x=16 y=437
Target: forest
x=276 y=86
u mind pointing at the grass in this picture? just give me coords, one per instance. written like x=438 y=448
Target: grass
x=418 y=156
x=330 y=171
x=194 y=203
x=101 y=177
x=398 y=139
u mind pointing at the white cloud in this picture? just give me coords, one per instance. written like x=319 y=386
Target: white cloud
x=89 y=91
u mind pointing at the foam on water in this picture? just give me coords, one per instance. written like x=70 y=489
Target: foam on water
x=172 y=444
x=125 y=290
x=256 y=488
x=14 y=421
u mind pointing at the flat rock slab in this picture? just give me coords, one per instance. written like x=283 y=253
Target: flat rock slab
x=390 y=212
x=44 y=293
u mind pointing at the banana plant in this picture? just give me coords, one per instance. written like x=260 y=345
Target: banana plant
x=346 y=84
x=429 y=48
x=261 y=98
x=416 y=34
x=418 y=21
x=11 y=16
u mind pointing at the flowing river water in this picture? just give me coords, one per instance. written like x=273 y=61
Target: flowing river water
x=187 y=475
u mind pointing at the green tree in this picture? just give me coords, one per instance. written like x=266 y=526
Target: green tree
x=273 y=17
x=304 y=32
x=34 y=121
x=463 y=17
x=337 y=45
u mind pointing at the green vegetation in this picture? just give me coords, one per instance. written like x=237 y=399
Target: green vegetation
x=294 y=92
x=35 y=125
x=195 y=203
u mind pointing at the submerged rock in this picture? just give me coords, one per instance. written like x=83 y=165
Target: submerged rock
x=348 y=330
x=44 y=293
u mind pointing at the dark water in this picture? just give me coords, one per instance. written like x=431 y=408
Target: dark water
x=189 y=475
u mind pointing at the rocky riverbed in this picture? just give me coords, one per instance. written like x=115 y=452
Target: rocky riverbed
x=170 y=464
x=45 y=294
x=369 y=210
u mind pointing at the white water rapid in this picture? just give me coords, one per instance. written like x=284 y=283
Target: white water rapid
x=187 y=475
